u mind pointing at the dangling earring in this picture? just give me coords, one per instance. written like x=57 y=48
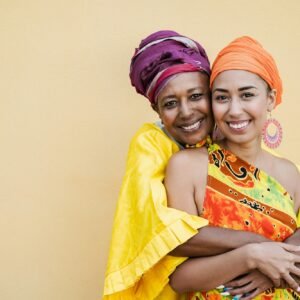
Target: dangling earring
x=272 y=133
x=217 y=135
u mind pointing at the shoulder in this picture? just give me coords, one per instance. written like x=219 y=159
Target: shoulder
x=284 y=165
x=150 y=150
x=188 y=160
x=151 y=134
x=280 y=163
x=287 y=174
x=149 y=131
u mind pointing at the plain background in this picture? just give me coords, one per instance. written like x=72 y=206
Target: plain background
x=67 y=113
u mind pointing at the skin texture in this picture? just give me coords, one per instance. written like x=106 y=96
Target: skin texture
x=183 y=102
x=240 y=99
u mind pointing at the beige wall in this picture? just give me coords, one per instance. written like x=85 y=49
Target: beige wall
x=67 y=112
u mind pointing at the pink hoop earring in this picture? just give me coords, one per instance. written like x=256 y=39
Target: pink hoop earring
x=272 y=133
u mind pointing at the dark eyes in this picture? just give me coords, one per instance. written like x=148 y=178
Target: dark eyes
x=170 y=104
x=173 y=102
x=247 y=95
x=196 y=96
x=221 y=98
x=224 y=98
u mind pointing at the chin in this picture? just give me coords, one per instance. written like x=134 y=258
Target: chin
x=239 y=140
x=194 y=141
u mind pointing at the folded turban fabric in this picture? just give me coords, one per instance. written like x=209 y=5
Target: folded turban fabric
x=245 y=53
x=162 y=55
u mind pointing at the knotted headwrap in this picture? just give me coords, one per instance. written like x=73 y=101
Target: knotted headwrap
x=247 y=54
x=162 y=55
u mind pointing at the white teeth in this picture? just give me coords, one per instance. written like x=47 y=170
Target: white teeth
x=191 y=127
x=238 y=125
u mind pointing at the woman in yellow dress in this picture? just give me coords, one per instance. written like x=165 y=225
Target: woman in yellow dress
x=145 y=229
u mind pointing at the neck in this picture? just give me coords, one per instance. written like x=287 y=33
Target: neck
x=250 y=152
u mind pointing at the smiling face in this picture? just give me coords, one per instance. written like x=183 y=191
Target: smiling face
x=184 y=107
x=240 y=102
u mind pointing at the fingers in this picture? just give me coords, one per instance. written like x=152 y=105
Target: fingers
x=251 y=295
x=239 y=282
x=296 y=258
x=295 y=270
x=291 y=282
x=276 y=282
x=289 y=247
x=242 y=290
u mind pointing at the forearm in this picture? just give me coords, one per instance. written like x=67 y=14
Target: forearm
x=208 y=272
x=275 y=260
x=294 y=239
x=215 y=240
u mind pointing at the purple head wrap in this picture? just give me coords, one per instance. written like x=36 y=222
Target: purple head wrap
x=160 y=56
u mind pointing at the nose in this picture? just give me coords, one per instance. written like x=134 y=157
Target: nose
x=186 y=110
x=235 y=108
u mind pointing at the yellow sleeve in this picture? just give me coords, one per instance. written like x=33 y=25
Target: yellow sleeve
x=145 y=230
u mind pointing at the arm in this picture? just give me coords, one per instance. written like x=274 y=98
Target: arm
x=273 y=259
x=215 y=240
x=295 y=238
x=206 y=273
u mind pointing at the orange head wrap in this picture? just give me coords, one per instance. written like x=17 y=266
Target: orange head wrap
x=247 y=54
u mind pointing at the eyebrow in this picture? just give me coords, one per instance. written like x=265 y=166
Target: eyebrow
x=195 y=88
x=247 y=88
x=201 y=91
x=240 y=89
x=168 y=97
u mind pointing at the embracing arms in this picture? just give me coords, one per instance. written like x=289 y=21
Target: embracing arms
x=212 y=240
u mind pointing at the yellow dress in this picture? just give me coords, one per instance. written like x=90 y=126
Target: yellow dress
x=145 y=230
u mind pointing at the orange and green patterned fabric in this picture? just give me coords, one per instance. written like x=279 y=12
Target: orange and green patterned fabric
x=242 y=197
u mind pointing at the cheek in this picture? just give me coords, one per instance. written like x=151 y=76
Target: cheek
x=204 y=106
x=262 y=118
x=259 y=112
x=218 y=111
x=167 y=116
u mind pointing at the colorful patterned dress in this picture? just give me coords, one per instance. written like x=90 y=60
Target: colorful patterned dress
x=242 y=197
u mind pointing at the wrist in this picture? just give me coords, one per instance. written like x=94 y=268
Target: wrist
x=252 y=255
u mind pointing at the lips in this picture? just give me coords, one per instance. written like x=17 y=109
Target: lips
x=192 y=127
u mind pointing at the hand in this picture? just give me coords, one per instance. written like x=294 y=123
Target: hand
x=249 y=285
x=277 y=261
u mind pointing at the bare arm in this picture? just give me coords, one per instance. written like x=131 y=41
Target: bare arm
x=215 y=240
x=273 y=259
x=295 y=238
x=203 y=274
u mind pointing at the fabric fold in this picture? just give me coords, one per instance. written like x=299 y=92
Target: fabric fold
x=145 y=229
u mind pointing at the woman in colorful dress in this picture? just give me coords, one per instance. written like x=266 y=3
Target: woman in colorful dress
x=242 y=186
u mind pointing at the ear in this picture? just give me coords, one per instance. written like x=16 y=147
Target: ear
x=271 y=100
